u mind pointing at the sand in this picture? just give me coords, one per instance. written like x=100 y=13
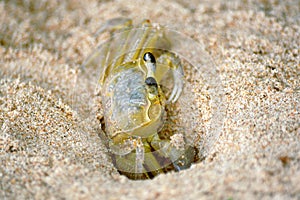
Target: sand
x=247 y=102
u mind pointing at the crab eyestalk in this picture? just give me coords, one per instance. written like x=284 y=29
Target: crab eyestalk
x=150 y=81
x=150 y=63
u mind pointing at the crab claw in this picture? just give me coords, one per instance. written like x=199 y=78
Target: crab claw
x=178 y=85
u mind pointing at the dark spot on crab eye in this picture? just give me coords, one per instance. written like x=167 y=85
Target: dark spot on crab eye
x=149 y=57
x=151 y=81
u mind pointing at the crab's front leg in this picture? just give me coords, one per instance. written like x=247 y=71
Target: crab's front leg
x=169 y=61
x=134 y=156
x=129 y=146
x=181 y=156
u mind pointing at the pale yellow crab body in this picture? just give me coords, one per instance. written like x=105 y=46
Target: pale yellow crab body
x=127 y=108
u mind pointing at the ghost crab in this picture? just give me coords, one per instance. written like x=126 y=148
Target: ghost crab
x=132 y=65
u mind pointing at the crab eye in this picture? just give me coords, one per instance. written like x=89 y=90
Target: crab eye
x=151 y=67
x=151 y=81
x=148 y=57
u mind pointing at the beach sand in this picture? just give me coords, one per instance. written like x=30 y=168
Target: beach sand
x=245 y=107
